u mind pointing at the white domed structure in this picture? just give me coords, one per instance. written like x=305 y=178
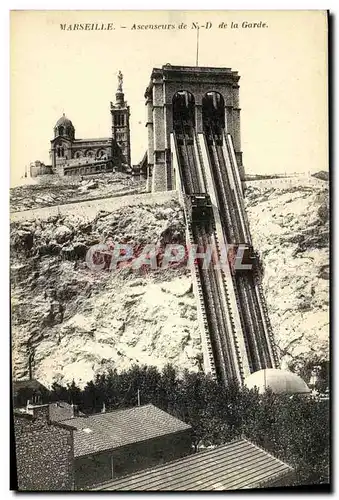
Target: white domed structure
x=278 y=381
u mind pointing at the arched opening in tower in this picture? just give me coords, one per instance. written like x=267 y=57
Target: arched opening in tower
x=183 y=115
x=213 y=116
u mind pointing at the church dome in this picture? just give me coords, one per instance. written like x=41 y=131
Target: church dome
x=64 y=121
x=64 y=127
x=278 y=381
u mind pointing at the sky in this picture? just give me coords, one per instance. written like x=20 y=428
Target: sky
x=283 y=85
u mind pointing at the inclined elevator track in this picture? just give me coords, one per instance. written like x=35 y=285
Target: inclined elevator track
x=225 y=359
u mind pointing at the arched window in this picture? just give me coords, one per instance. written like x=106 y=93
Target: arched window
x=213 y=111
x=183 y=106
x=61 y=130
x=183 y=109
x=62 y=152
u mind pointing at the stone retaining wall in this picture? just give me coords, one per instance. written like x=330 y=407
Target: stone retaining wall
x=90 y=208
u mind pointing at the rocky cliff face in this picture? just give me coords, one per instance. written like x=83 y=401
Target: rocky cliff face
x=290 y=227
x=73 y=322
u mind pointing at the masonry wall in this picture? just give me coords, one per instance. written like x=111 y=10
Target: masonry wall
x=44 y=454
x=97 y=468
x=89 y=208
x=164 y=84
x=35 y=171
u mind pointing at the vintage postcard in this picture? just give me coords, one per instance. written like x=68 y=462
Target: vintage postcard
x=169 y=250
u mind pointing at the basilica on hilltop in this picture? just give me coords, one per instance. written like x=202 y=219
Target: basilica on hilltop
x=71 y=156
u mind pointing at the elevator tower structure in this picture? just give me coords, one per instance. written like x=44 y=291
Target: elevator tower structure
x=199 y=82
x=194 y=147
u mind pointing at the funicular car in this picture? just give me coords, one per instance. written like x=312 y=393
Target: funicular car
x=201 y=208
x=242 y=258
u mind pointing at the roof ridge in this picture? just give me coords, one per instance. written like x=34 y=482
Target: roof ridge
x=92 y=139
x=116 y=410
x=267 y=452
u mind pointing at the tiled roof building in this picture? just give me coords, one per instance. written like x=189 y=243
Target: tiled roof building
x=58 y=447
x=123 y=427
x=236 y=465
x=61 y=411
x=30 y=389
x=113 y=444
x=134 y=449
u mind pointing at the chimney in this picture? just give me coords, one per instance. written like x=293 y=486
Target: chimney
x=103 y=410
x=40 y=412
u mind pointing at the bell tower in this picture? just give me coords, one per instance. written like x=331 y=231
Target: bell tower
x=120 y=112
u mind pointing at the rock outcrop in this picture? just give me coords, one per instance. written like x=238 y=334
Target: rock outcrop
x=290 y=228
x=74 y=322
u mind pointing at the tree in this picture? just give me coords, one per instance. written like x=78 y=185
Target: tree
x=59 y=393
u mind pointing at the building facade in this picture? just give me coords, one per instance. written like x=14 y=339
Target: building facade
x=44 y=451
x=60 y=448
x=39 y=168
x=198 y=83
x=28 y=390
x=71 y=156
x=112 y=444
x=118 y=462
